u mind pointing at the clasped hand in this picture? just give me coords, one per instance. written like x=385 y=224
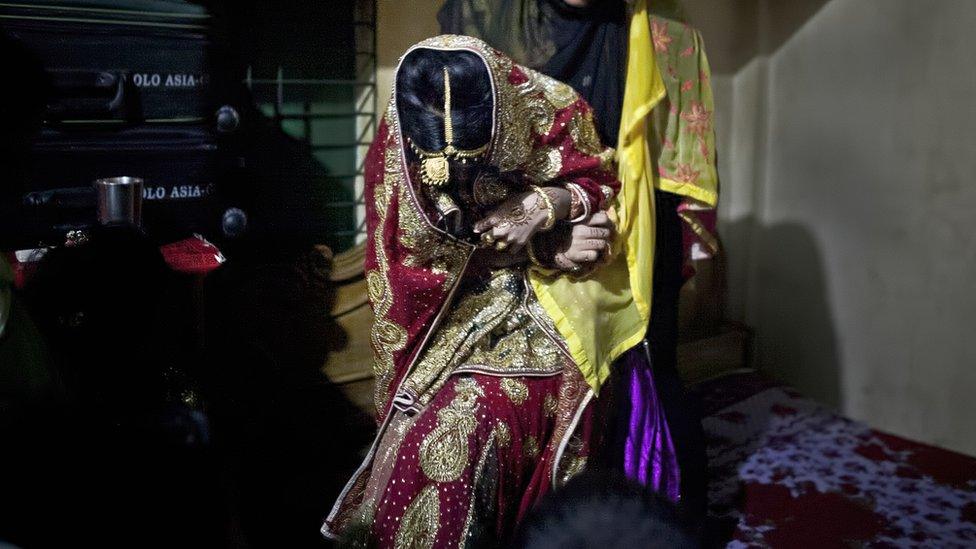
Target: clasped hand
x=513 y=224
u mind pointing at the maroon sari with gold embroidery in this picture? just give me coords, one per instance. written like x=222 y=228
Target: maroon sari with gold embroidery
x=481 y=407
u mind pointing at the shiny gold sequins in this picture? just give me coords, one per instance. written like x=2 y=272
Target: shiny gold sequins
x=583 y=131
x=428 y=249
x=444 y=451
x=503 y=434
x=574 y=466
x=386 y=336
x=468 y=324
x=549 y=405
x=544 y=164
x=418 y=527
x=489 y=191
x=573 y=459
x=516 y=391
x=559 y=94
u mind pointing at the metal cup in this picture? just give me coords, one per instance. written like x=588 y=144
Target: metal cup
x=119 y=200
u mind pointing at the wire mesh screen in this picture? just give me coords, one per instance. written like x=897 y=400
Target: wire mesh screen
x=317 y=81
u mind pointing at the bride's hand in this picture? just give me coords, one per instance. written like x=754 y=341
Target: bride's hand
x=513 y=223
x=584 y=246
x=589 y=240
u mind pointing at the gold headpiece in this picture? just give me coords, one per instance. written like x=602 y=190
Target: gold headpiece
x=434 y=168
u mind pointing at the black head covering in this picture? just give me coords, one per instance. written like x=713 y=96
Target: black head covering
x=583 y=47
x=590 y=55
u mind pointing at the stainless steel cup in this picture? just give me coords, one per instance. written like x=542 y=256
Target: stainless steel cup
x=119 y=200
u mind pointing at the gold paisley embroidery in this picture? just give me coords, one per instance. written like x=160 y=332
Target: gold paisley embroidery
x=444 y=451
x=484 y=489
x=513 y=141
x=455 y=41
x=559 y=94
x=573 y=459
x=608 y=159
x=573 y=467
x=490 y=191
x=386 y=336
x=535 y=109
x=418 y=527
x=544 y=164
x=517 y=391
x=530 y=448
x=385 y=458
x=572 y=392
x=427 y=249
x=522 y=344
x=550 y=405
x=523 y=110
x=583 y=131
x=503 y=434
x=478 y=311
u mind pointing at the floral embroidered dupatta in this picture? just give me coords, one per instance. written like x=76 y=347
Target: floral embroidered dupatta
x=540 y=127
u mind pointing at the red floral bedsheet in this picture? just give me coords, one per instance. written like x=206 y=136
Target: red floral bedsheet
x=788 y=472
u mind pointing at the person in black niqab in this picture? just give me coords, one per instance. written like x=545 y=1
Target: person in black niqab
x=584 y=44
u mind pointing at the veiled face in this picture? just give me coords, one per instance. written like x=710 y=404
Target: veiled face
x=534 y=127
x=446 y=104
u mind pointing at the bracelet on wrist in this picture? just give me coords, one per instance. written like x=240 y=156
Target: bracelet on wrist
x=579 y=208
x=608 y=195
x=550 y=210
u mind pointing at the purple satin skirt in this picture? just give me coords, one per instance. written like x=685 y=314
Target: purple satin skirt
x=644 y=449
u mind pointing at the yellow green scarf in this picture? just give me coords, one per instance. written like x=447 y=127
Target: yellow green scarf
x=605 y=315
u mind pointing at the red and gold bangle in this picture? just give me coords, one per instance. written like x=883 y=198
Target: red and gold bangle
x=579 y=208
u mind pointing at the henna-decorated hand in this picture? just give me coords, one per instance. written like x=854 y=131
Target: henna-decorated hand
x=513 y=223
x=590 y=240
x=581 y=248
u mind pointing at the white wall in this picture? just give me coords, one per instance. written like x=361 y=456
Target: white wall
x=847 y=152
x=848 y=167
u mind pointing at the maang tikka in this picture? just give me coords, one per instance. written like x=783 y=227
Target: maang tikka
x=434 y=167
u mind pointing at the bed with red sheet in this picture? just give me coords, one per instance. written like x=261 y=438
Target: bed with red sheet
x=786 y=471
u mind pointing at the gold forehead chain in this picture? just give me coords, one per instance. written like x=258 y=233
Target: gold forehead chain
x=434 y=167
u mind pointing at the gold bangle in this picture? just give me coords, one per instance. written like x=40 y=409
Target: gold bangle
x=550 y=210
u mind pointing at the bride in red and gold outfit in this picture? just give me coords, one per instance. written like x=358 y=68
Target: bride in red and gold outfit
x=485 y=179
